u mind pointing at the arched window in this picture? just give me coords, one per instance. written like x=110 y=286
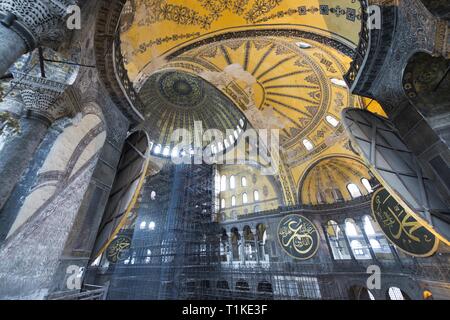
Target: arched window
x=375 y=244
x=151 y=225
x=166 y=151
x=368 y=227
x=232 y=182
x=243 y=181
x=395 y=294
x=157 y=149
x=332 y=120
x=236 y=134
x=367 y=185
x=223 y=183
x=142 y=225
x=241 y=122
x=231 y=138
x=256 y=195
x=350 y=229
x=308 y=144
x=354 y=190
x=339 y=82
x=233 y=201
x=244 y=198
x=223 y=205
x=153 y=195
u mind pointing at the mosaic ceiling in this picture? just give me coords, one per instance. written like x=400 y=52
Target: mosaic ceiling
x=278 y=63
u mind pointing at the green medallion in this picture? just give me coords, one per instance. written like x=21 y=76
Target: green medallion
x=400 y=227
x=298 y=237
x=118 y=250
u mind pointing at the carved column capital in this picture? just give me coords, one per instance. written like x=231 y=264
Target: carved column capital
x=45 y=98
x=35 y=21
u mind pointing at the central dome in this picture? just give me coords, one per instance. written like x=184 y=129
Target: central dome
x=177 y=100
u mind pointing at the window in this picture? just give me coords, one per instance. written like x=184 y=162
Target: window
x=357 y=248
x=368 y=227
x=153 y=195
x=223 y=205
x=303 y=45
x=354 y=190
x=395 y=294
x=233 y=201
x=350 y=229
x=244 y=198
x=142 y=225
x=339 y=82
x=244 y=182
x=375 y=244
x=223 y=183
x=308 y=144
x=151 y=225
x=232 y=182
x=241 y=122
x=231 y=138
x=236 y=134
x=337 y=241
x=157 y=149
x=367 y=185
x=256 y=195
x=166 y=151
x=332 y=120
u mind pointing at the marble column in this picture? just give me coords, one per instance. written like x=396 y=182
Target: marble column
x=26 y=24
x=12 y=48
x=40 y=98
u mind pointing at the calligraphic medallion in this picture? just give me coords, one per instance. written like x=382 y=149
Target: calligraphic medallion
x=400 y=227
x=118 y=250
x=298 y=236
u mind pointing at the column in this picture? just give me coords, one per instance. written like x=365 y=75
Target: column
x=26 y=24
x=41 y=109
x=242 y=246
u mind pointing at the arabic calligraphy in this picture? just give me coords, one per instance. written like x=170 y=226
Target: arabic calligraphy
x=298 y=237
x=400 y=227
x=118 y=249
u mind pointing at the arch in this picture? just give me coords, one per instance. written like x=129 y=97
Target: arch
x=242 y=285
x=358 y=292
x=235 y=244
x=395 y=293
x=243 y=182
x=265 y=290
x=76 y=148
x=354 y=190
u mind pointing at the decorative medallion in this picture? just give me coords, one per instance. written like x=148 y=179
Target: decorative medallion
x=181 y=89
x=118 y=249
x=298 y=236
x=400 y=227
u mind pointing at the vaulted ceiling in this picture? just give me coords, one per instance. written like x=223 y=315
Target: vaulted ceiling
x=277 y=63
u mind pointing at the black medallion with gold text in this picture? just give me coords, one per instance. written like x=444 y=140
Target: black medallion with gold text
x=400 y=227
x=118 y=250
x=298 y=236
